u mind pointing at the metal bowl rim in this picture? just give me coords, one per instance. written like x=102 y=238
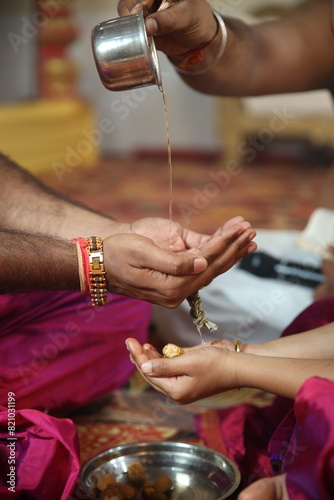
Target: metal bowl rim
x=149 y=444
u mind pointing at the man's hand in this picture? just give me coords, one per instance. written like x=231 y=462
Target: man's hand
x=269 y=57
x=141 y=264
x=178 y=26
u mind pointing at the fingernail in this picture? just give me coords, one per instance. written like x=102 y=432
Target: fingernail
x=151 y=26
x=127 y=344
x=200 y=265
x=146 y=368
x=251 y=248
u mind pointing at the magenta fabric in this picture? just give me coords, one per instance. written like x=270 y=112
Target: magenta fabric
x=58 y=352
x=317 y=314
x=265 y=442
x=311 y=473
x=45 y=454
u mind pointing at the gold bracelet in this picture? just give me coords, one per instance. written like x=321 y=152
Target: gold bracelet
x=97 y=276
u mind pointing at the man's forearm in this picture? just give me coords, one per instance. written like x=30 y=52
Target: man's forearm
x=287 y=55
x=33 y=262
x=28 y=205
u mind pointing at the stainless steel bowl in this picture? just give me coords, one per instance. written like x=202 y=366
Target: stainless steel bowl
x=125 y=55
x=197 y=472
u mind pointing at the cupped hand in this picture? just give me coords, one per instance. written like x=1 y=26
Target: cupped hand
x=171 y=235
x=269 y=488
x=139 y=266
x=197 y=374
x=178 y=26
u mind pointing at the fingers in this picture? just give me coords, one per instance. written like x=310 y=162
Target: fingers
x=139 y=357
x=229 y=246
x=149 y=361
x=177 y=25
x=137 y=267
x=137 y=354
x=194 y=20
x=123 y=8
x=273 y=488
x=193 y=239
x=170 y=367
x=151 y=351
x=223 y=252
x=226 y=344
x=126 y=7
x=232 y=226
x=174 y=264
x=238 y=219
x=165 y=21
x=141 y=253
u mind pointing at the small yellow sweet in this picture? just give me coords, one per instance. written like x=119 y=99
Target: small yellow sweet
x=136 y=473
x=104 y=481
x=172 y=350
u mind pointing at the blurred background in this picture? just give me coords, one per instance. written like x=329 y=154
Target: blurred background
x=56 y=117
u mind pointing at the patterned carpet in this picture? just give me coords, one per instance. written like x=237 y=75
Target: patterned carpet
x=275 y=195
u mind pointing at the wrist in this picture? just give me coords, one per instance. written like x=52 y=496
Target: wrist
x=240 y=359
x=107 y=228
x=91 y=268
x=260 y=349
x=229 y=370
x=206 y=56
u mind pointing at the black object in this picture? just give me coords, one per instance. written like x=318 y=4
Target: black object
x=266 y=266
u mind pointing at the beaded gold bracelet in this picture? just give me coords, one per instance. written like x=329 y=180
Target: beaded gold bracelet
x=97 y=276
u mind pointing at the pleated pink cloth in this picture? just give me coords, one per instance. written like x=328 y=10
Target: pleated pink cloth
x=310 y=474
x=43 y=462
x=59 y=352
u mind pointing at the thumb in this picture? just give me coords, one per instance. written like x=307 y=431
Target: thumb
x=163 y=368
x=175 y=264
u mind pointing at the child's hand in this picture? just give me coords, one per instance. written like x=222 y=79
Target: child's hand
x=199 y=373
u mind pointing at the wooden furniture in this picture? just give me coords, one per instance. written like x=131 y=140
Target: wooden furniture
x=49 y=134
x=240 y=127
x=54 y=130
x=243 y=133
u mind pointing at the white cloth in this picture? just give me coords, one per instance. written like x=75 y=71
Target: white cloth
x=243 y=305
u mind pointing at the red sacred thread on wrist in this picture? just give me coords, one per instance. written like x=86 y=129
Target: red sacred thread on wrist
x=83 y=261
x=193 y=57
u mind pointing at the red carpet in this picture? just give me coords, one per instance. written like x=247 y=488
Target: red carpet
x=204 y=195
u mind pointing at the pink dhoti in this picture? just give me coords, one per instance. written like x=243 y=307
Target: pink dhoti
x=58 y=352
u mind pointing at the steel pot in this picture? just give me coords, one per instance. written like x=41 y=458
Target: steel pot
x=125 y=55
